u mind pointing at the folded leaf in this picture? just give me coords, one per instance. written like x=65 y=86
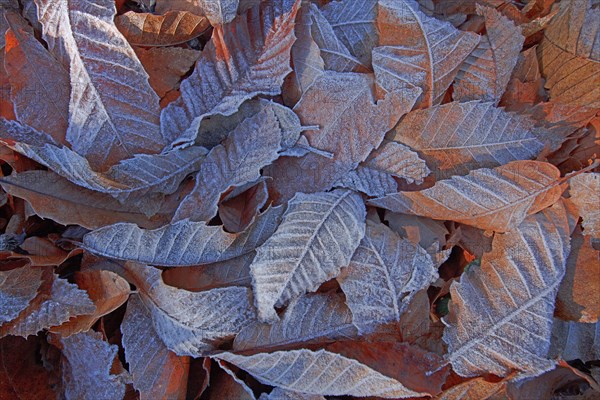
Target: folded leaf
x=183 y=243
x=359 y=127
x=149 y=359
x=417 y=50
x=113 y=111
x=253 y=144
x=487 y=70
x=317 y=236
x=318 y=372
x=56 y=301
x=191 y=323
x=313 y=318
x=497 y=199
x=382 y=277
x=86 y=368
x=456 y=138
x=353 y=22
x=398 y=160
x=17 y=288
x=39 y=83
x=174 y=27
x=584 y=193
x=247 y=57
x=501 y=313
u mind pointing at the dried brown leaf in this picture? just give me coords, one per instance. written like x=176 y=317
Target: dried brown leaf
x=497 y=199
x=174 y=27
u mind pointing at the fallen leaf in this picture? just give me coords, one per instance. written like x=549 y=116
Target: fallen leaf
x=191 y=323
x=312 y=318
x=487 y=70
x=497 y=199
x=239 y=68
x=39 y=84
x=197 y=243
x=382 y=277
x=317 y=236
x=253 y=144
x=174 y=27
x=86 y=368
x=318 y=372
x=479 y=136
x=417 y=50
x=156 y=372
x=584 y=190
x=501 y=313
x=104 y=78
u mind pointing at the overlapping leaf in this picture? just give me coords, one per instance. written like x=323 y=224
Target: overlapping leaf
x=382 y=277
x=72 y=204
x=253 y=144
x=353 y=22
x=183 y=243
x=317 y=236
x=319 y=372
x=417 y=50
x=132 y=178
x=497 y=199
x=370 y=181
x=306 y=58
x=56 y=301
x=398 y=160
x=569 y=55
x=172 y=28
x=333 y=51
x=234 y=67
x=487 y=70
x=501 y=313
x=150 y=361
x=17 y=288
x=359 y=126
x=456 y=138
x=113 y=111
x=313 y=318
x=39 y=84
x=191 y=323
x=87 y=365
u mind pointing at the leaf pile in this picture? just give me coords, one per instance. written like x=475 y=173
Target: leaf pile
x=287 y=199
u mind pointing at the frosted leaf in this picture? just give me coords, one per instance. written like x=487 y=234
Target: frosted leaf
x=319 y=372
x=456 y=138
x=501 y=313
x=183 y=243
x=382 y=277
x=317 y=236
x=496 y=199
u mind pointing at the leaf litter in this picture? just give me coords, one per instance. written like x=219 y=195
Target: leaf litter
x=299 y=199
